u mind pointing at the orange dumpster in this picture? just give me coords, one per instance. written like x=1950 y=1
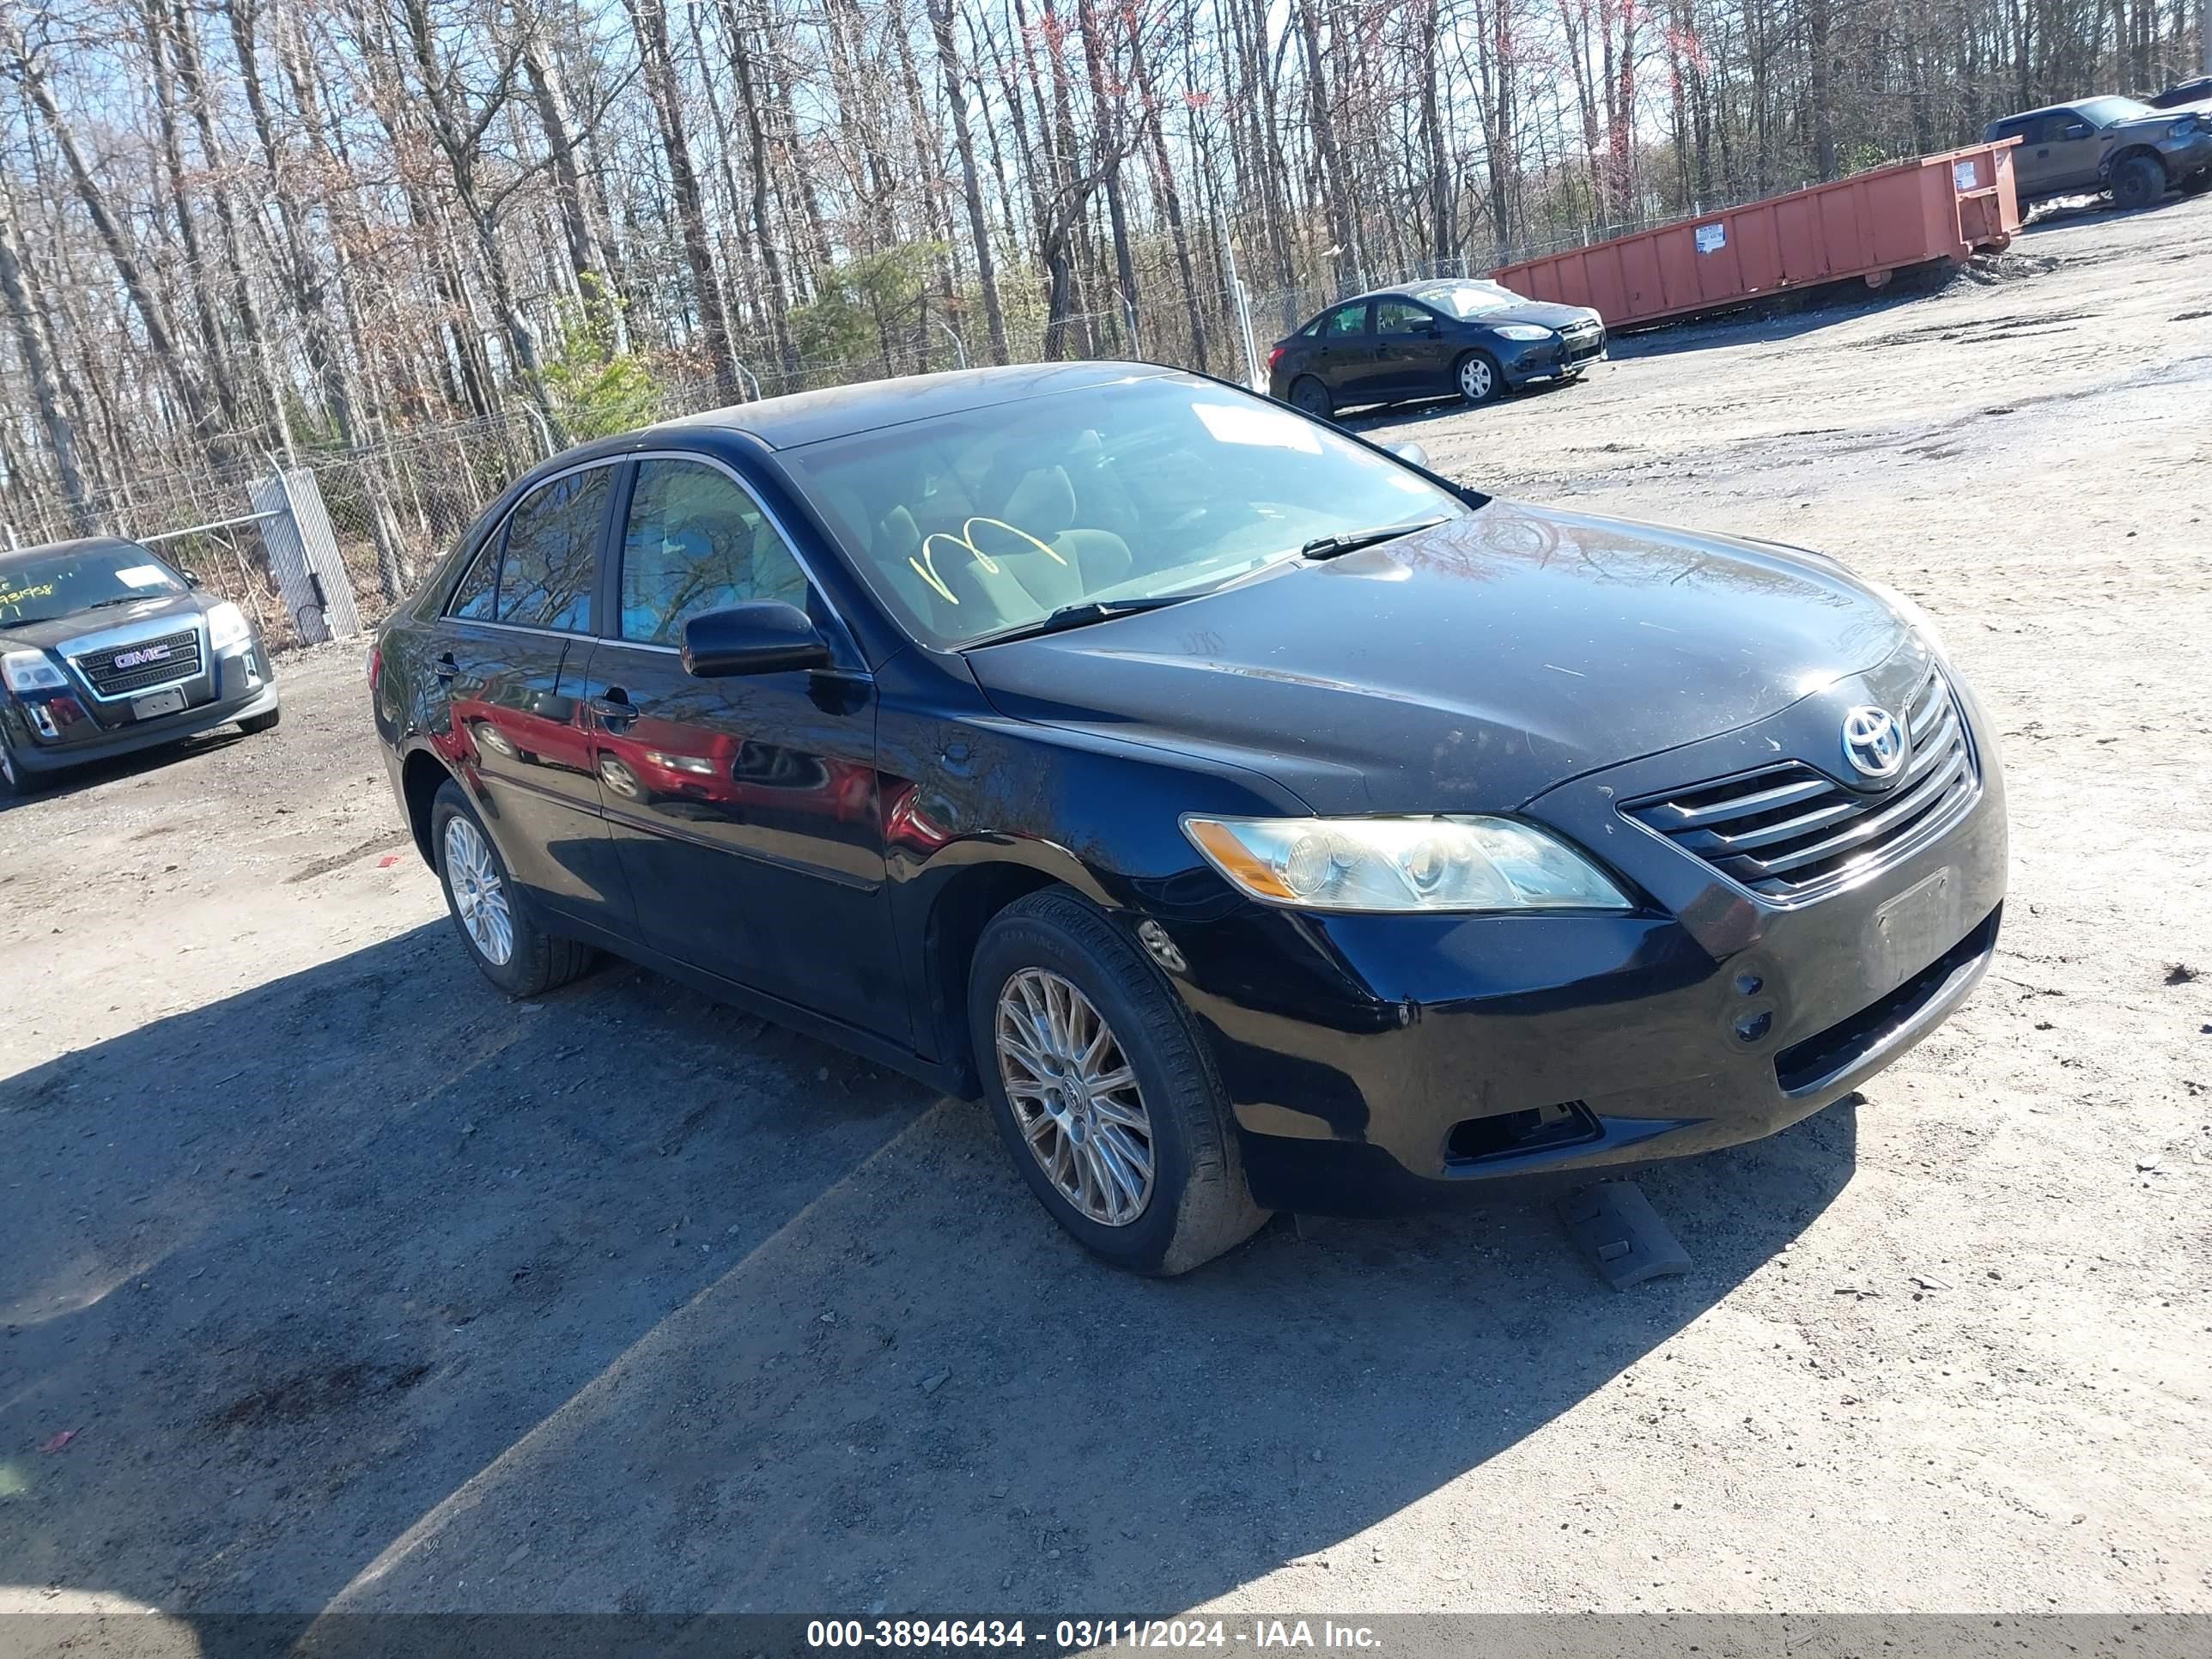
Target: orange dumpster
x=1869 y=225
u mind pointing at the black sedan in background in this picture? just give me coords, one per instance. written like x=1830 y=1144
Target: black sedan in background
x=1256 y=819
x=1440 y=339
x=105 y=649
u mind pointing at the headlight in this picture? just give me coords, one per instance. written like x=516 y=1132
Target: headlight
x=31 y=670
x=1403 y=864
x=226 y=626
x=1522 y=332
x=2182 y=128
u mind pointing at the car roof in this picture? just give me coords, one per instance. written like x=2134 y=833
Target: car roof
x=12 y=557
x=807 y=417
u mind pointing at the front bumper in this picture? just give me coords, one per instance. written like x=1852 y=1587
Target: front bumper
x=49 y=731
x=1553 y=359
x=1377 y=1063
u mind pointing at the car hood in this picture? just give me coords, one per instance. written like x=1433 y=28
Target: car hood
x=51 y=632
x=1465 y=668
x=1542 y=312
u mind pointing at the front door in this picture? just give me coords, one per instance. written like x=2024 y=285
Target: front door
x=509 y=661
x=745 y=809
x=2067 y=151
x=1412 y=358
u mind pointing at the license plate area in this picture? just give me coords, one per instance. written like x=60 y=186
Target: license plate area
x=1919 y=925
x=157 y=704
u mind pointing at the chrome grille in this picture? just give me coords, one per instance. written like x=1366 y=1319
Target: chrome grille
x=179 y=659
x=1791 y=831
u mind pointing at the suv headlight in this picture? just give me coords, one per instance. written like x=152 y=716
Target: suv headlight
x=2182 y=129
x=226 y=626
x=31 y=670
x=1403 y=864
x=1522 y=332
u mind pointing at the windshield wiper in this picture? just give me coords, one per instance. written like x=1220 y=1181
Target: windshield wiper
x=120 y=598
x=1080 y=615
x=1328 y=547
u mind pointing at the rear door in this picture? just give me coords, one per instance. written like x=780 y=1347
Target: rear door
x=1344 y=353
x=509 y=661
x=1412 y=356
x=745 y=809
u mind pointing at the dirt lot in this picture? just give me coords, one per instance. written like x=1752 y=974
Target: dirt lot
x=359 y=1288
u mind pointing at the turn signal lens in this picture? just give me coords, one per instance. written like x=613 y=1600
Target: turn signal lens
x=1465 y=863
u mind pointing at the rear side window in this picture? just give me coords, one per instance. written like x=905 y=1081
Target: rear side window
x=473 y=597
x=545 y=577
x=1346 y=319
x=695 y=542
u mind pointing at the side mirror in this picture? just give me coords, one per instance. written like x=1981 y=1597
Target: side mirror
x=2077 y=131
x=764 y=637
x=1412 y=454
x=191 y=578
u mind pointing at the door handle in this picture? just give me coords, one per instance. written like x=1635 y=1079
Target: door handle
x=446 y=667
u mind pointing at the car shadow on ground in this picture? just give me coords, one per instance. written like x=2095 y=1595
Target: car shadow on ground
x=47 y=786
x=364 y=1289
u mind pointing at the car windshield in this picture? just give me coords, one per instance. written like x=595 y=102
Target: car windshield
x=2104 y=112
x=971 y=525
x=36 y=590
x=1474 y=299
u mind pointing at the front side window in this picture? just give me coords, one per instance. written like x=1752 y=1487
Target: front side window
x=545 y=574
x=695 y=542
x=106 y=573
x=1402 y=317
x=970 y=524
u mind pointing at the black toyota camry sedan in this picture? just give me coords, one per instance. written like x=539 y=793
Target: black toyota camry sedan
x=1438 y=339
x=1255 y=819
x=106 y=648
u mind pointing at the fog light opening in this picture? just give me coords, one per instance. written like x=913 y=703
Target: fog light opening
x=1509 y=1134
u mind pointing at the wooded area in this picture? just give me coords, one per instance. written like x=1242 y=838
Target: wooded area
x=229 y=228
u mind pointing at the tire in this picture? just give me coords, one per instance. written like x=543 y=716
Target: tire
x=2137 y=182
x=1478 y=378
x=1310 y=397
x=535 y=961
x=15 y=781
x=1173 y=1109
x=254 y=724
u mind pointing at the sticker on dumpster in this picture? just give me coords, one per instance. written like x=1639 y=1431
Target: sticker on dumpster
x=1962 y=175
x=1711 y=238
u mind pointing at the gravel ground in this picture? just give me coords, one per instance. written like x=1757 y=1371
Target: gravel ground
x=359 y=1288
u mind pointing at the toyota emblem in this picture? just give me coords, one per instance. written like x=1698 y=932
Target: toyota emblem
x=1874 y=743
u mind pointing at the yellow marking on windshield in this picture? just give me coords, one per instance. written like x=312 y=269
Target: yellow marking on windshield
x=925 y=566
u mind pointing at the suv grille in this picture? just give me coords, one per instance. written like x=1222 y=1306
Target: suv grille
x=179 y=659
x=1789 y=831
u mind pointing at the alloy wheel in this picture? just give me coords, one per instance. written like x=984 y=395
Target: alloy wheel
x=1075 y=1096
x=1475 y=378
x=479 y=891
